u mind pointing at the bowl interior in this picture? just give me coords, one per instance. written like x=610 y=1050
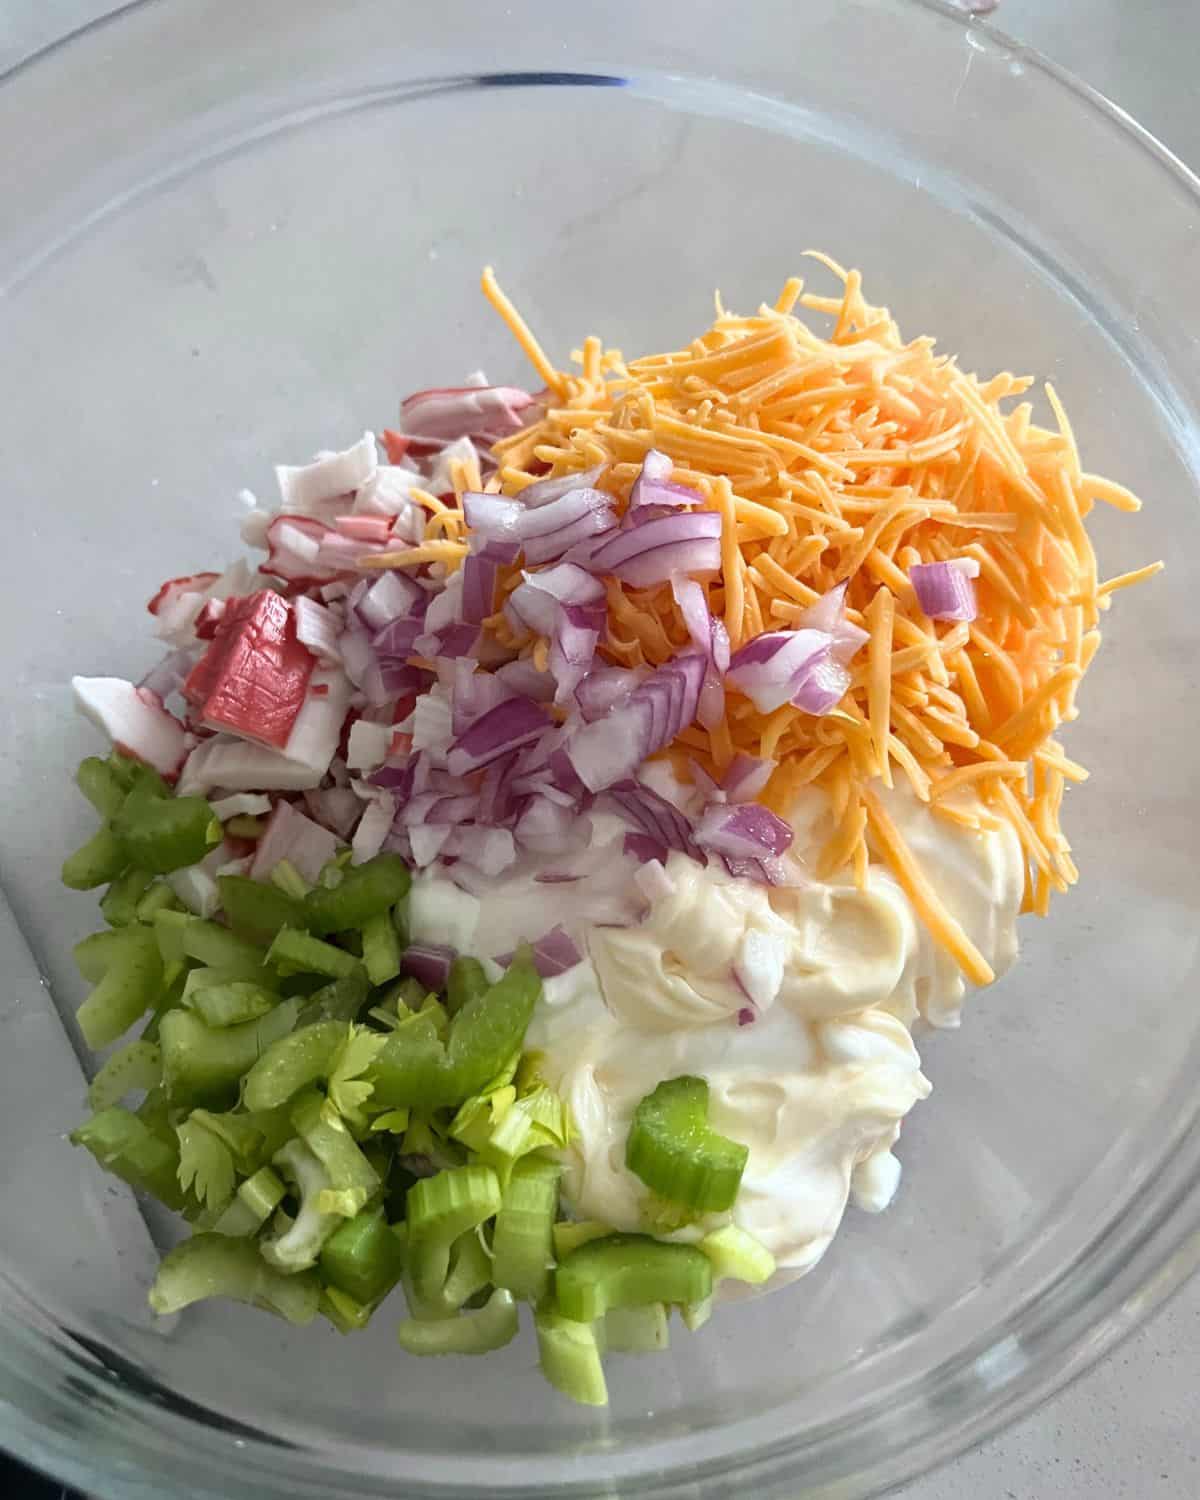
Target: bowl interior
x=292 y=243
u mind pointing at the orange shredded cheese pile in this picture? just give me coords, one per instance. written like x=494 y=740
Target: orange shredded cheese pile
x=852 y=457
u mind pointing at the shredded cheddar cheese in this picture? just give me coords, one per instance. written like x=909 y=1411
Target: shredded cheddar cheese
x=851 y=458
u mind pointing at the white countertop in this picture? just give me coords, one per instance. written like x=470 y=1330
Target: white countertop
x=1128 y=1428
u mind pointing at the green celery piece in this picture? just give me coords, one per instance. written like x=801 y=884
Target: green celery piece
x=675 y=1151
x=363 y=1258
x=569 y=1234
x=468 y=978
x=298 y=1244
x=234 y=1219
x=339 y=1000
x=214 y=1265
x=334 y=1147
x=119 y=904
x=135 y=775
x=286 y=877
x=637 y=1330
x=138 y=1065
x=132 y=983
x=94 y=953
x=535 y=1121
x=628 y=1270
x=470 y=1271
x=299 y=952
x=158 y=897
x=346 y=1315
x=256 y=910
x=381 y=948
x=254 y=1202
x=245 y=827
x=491 y=1327
x=97 y=862
x=101 y=785
x=415 y=1069
x=205 y=1164
x=128 y=1147
x=169 y=928
x=230 y=1003
x=440 y=1209
x=245 y=1134
x=570 y=1358
x=738 y=1256
x=696 y=1314
x=165 y=833
x=522 y=1246
x=204 y=1065
x=216 y=946
x=364 y=890
x=400 y=922
x=292 y=1063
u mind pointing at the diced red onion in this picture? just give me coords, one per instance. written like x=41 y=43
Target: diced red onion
x=334 y=807
x=478 y=588
x=473 y=693
x=426 y=841
x=523 y=677
x=944 y=590
x=610 y=749
x=769 y=668
x=546 y=827
x=398 y=638
x=170 y=674
x=746 y=1016
x=452 y=642
x=553 y=954
x=653 y=495
x=746 y=776
x=241 y=805
x=656 y=817
x=645 y=555
x=642 y=847
x=317 y=627
x=543 y=533
x=822 y=687
x=745 y=830
x=710 y=635
x=428 y=963
x=543 y=491
x=490 y=851
x=508 y=726
x=600 y=689
x=828 y=614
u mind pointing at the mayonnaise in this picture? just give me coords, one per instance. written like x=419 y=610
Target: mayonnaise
x=794 y=1003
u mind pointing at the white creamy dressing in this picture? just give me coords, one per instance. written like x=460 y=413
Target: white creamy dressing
x=816 y=1085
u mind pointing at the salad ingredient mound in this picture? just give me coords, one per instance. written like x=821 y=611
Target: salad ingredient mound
x=524 y=878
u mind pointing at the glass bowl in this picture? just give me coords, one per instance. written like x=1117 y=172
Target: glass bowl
x=233 y=234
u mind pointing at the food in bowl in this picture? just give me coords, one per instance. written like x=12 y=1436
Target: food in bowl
x=528 y=875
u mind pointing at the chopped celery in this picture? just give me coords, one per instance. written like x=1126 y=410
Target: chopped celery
x=213 y=1265
x=339 y=1000
x=569 y=1234
x=169 y=927
x=677 y=1153
x=138 y=1065
x=205 y=1164
x=468 y=978
x=363 y=1258
x=570 y=1358
x=165 y=833
x=522 y=1248
x=637 y=1330
x=136 y=775
x=219 y=948
x=491 y=1327
x=94 y=953
x=381 y=948
x=101 y=785
x=251 y=1137
x=415 y=1069
x=738 y=1256
x=470 y=1271
x=203 y=1064
x=696 y=1314
x=346 y=1315
x=286 y=878
x=441 y=1208
x=400 y=922
x=536 y=1120
x=299 y=952
x=97 y=862
x=292 y=1063
x=348 y=1090
x=159 y=897
x=335 y=1148
x=256 y=910
x=234 y=1219
x=628 y=1270
x=395 y=1121
x=299 y=1241
x=130 y=1149
x=119 y=904
x=230 y=1002
x=252 y=1205
x=364 y=890
x=132 y=983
